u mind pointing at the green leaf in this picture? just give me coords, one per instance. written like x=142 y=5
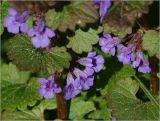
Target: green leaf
x=11 y=74
x=19 y=115
x=29 y=22
x=26 y=57
x=158 y=75
x=37 y=113
x=124 y=72
x=138 y=5
x=82 y=41
x=79 y=108
x=100 y=112
x=3 y=8
x=125 y=105
x=151 y=42
x=76 y=13
x=117 y=32
x=121 y=16
x=32 y=6
x=19 y=95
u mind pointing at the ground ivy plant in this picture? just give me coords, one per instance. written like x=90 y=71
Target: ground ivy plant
x=79 y=60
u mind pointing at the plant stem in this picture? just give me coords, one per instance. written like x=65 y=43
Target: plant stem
x=61 y=102
x=149 y=95
x=61 y=106
x=154 y=86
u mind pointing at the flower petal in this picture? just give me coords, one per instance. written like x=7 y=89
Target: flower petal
x=91 y=54
x=36 y=42
x=31 y=32
x=42 y=81
x=12 y=11
x=89 y=71
x=79 y=73
x=24 y=27
x=49 y=94
x=99 y=59
x=45 y=41
x=113 y=51
x=13 y=28
x=49 y=33
x=8 y=21
x=42 y=91
x=86 y=62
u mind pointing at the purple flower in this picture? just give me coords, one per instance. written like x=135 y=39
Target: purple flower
x=114 y=119
x=85 y=81
x=48 y=87
x=93 y=61
x=126 y=54
x=72 y=87
x=143 y=65
x=41 y=35
x=16 y=21
x=89 y=71
x=103 y=7
x=108 y=43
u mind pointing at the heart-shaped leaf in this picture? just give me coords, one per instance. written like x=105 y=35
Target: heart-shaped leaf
x=83 y=41
x=26 y=57
x=76 y=13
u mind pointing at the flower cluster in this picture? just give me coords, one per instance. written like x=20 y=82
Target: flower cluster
x=77 y=80
x=48 y=87
x=103 y=7
x=125 y=54
x=83 y=79
x=16 y=22
x=41 y=35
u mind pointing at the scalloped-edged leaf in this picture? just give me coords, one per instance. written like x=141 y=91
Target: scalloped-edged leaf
x=151 y=42
x=124 y=72
x=83 y=41
x=10 y=73
x=76 y=13
x=3 y=8
x=32 y=6
x=122 y=15
x=101 y=112
x=79 y=108
x=26 y=57
x=119 y=33
x=19 y=95
x=37 y=113
x=125 y=105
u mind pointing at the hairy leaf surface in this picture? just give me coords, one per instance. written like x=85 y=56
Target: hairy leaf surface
x=122 y=15
x=19 y=94
x=151 y=42
x=37 y=113
x=76 y=13
x=79 y=108
x=3 y=8
x=26 y=57
x=125 y=105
